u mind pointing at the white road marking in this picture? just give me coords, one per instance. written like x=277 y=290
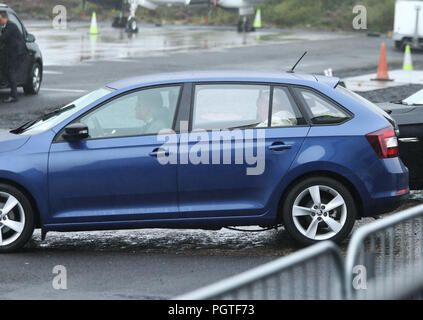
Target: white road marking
x=127 y=60
x=52 y=72
x=63 y=90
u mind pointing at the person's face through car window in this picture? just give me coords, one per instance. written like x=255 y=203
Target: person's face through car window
x=147 y=105
x=3 y=20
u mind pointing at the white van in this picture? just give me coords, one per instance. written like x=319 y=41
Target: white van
x=408 y=24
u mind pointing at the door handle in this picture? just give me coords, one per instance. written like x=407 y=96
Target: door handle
x=279 y=146
x=159 y=152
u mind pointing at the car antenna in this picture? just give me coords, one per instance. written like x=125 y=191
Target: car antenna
x=295 y=65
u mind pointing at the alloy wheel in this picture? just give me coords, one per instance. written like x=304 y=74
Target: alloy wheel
x=12 y=219
x=319 y=212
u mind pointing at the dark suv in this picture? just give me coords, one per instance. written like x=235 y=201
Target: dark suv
x=31 y=73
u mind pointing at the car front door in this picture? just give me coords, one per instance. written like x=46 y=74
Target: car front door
x=238 y=122
x=114 y=175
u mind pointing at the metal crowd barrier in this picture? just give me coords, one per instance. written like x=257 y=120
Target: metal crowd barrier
x=285 y=278
x=402 y=285
x=387 y=249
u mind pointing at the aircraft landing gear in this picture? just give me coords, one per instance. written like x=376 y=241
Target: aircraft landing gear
x=244 y=25
x=132 y=26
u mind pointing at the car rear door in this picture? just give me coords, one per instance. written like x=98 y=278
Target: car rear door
x=244 y=156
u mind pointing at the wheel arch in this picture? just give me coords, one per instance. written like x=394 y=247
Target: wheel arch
x=322 y=173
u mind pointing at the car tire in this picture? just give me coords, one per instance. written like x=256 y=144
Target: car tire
x=309 y=220
x=35 y=78
x=17 y=224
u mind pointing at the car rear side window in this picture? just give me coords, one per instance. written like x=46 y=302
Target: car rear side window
x=230 y=106
x=285 y=112
x=321 y=110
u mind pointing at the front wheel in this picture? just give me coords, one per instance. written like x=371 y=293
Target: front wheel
x=33 y=84
x=319 y=208
x=16 y=219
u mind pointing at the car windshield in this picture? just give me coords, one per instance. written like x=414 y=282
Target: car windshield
x=51 y=119
x=414 y=99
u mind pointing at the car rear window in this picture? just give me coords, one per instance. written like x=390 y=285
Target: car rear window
x=320 y=109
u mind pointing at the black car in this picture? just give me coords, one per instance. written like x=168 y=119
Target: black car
x=31 y=74
x=408 y=114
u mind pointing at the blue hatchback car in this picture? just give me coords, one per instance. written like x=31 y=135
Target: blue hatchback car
x=202 y=150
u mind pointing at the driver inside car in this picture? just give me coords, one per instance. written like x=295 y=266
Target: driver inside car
x=150 y=110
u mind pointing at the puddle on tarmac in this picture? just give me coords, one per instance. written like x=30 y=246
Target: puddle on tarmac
x=189 y=242
x=222 y=242
x=73 y=45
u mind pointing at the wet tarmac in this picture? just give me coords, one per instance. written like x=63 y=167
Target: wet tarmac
x=75 y=44
x=159 y=263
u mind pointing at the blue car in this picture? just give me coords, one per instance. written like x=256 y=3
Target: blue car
x=203 y=150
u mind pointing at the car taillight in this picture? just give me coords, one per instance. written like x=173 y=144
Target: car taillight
x=384 y=142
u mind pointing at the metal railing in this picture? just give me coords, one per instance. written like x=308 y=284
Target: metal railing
x=316 y=272
x=402 y=285
x=386 y=248
x=390 y=251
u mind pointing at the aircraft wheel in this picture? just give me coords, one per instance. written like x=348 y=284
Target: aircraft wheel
x=132 y=26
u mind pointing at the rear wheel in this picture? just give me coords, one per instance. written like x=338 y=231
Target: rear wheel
x=319 y=208
x=33 y=84
x=16 y=219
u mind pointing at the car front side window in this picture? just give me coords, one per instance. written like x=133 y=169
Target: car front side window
x=144 y=112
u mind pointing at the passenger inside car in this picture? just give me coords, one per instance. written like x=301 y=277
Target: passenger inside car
x=281 y=113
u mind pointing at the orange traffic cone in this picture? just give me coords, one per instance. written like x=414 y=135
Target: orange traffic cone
x=382 y=70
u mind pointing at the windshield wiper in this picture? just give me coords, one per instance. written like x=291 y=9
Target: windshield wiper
x=44 y=117
x=56 y=112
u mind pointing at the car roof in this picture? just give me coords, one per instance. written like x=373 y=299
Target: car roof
x=5 y=7
x=221 y=76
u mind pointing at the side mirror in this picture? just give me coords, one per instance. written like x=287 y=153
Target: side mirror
x=30 y=37
x=76 y=132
